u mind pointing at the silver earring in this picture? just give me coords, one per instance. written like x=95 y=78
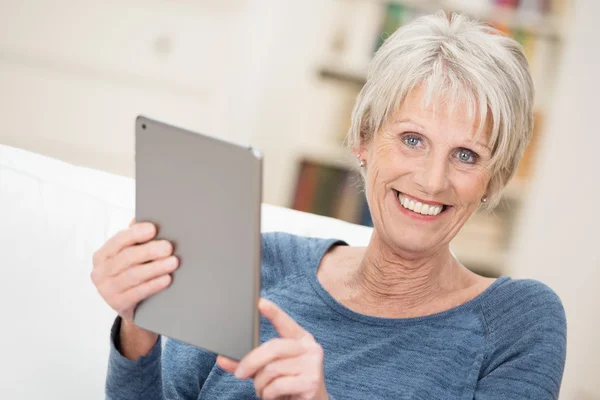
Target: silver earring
x=484 y=199
x=362 y=162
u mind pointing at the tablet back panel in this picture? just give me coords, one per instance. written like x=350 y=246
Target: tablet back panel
x=204 y=195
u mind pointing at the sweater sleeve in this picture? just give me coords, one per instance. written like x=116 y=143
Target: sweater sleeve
x=177 y=372
x=526 y=345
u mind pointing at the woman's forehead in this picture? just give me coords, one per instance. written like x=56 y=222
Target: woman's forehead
x=456 y=114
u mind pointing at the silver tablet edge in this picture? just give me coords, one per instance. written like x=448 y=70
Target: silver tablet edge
x=258 y=260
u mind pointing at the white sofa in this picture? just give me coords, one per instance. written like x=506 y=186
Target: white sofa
x=53 y=216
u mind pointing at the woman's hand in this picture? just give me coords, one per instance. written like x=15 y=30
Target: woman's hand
x=131 y=267
x=288 y=367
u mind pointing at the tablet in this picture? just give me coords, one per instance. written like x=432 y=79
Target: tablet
x=204 y=195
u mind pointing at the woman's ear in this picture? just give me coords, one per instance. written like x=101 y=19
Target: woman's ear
x=490 y=191
x=362 y=149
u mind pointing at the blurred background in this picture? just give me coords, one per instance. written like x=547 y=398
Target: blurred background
x=283 y=76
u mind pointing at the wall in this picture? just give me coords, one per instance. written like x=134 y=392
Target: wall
x=74 y=74
x=557 y=241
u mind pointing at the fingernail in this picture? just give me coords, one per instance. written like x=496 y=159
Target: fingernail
x=238 y=373
x=172 y=261
x=263 y=302
x=148 y=229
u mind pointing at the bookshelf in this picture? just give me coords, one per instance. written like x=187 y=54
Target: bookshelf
x=361 y=28
x=538 y=17
x=344 y=75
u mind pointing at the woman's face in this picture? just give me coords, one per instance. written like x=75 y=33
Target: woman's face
x=425 y=175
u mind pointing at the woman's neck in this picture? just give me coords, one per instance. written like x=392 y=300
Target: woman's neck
x=393 y=280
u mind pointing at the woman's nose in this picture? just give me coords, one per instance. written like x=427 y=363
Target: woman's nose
x=432 y=175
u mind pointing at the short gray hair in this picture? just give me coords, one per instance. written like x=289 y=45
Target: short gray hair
x=458 y=57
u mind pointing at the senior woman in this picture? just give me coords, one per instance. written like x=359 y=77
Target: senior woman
x=438 y=130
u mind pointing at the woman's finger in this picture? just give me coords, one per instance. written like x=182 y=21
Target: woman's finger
x=268 y=352
x=287 y=366
x=138 y=233
x=285 y=325
x=139 y=274
x=290 y=385
x=132 y=297
x=139 y=254
x=227 y=364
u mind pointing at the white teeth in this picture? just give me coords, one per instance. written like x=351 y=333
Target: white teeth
x=418 y=207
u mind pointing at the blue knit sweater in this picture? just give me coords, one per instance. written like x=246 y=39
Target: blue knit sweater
x=507 y=343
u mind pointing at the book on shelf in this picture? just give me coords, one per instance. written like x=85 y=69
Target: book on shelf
x=398 y=14
x=305 y=188
x=331 y=191
x=538 y=6
x=350 y=199
x=526 y=165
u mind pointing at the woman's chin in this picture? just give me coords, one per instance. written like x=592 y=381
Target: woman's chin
x=413 y=241
x=411 y=247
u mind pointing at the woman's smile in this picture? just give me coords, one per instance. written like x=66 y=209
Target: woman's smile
x=419 y=209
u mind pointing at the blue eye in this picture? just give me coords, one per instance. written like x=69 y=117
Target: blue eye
x=466 y=156
x=411 y=140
